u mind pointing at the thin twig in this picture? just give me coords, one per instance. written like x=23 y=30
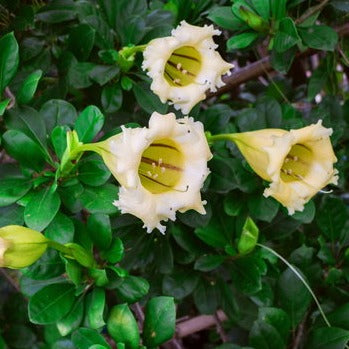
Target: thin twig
x=311 y=11
x=12 y=282
x=9 y=94
x=300 y=332
x=260 y=67
x=139 y=313
x=220 y=329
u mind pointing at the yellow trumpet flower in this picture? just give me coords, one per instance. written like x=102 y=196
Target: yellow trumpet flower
x=185 y=65
x=161 y=169
x=298 y=163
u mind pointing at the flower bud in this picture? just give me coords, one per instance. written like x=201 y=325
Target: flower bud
x=20 y=246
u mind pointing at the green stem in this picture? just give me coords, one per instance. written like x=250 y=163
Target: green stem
x=222 y=137
x=127 y=52
x=301 y=278
x=59 y=247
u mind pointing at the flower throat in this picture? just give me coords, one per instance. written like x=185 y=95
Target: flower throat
x=161 y=166
x=183 y=66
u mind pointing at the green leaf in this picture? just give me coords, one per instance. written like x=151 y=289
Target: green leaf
x=81 y=40
x=72 y=320
x=262 y=7
x=61 y=229
x=208 y=262
x=27 y=90
x=92 y=171
x=278 y=8
x=328 y=338
x=132 y=289
x=99 y=229
x=249 y=237
x=9 y=59
x=89 y=123
x=111 y=98
x=57 y=112
x=85 y=337
x=51 y=303
x=42 y=208
x=247 y=273
x=100 y=199
x=3 y=105
x=57 y=11
x=241 y=40
x=287 y=35
x=212 y=235
x=12 y=189
x=59 y=139
x=22 y=148
x=293 y=296
x=102 y=74
x=160 y=321
x=147 y=100
x=262 y=208
x=224 y=18
x=11 y=215
x=115 y=252
x=265 y=336
x=180 y=283
x=320 y=37
x=122 y=326
x=95 y=308
x=317 y=81
x=278 y=318
x=283 y=61
x=206 y=296
x=331 y=217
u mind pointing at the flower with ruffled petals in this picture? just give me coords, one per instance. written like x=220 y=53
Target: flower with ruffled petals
x=298 y=163
x=185 y=65
x=161 y=168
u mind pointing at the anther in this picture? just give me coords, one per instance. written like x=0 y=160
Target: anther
x=155 y=176
x=179 y=66
x=149 y=173
x=160 y=161
x=177 y=81
x=153 y=164
x=184 y=71
x=163 y=169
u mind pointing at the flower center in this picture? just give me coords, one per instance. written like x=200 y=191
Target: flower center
x=161 y=166
x=296 y=165
x=183 y=66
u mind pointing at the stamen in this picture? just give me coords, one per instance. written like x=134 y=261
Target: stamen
x=179 y=66
x=163 y=169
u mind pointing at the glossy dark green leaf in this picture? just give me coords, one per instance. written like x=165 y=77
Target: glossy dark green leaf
x=147 y=100
x=61 y=229
x=278 y=8
x=59 y=140
x=122 y=326
x=160 y=321
x=11 y=215
x=57 y=11
x=86 y=337
x=320 y=37
x=224 y=18
x=263 y=208
x=100 y=200
x=92 y=171
x=111 y=98
x=208 y=262
x=73 y=319
x=206 y=296
x=28 y=87
x=101 y=74
x=9 y=59
x=293 y=296
x=89 y=123
x=23 y=149
x=99 y=229
x=95 y=304
x=42 y=208
x=115 y=252
x=132 y=289
x=332 y=217
x=81 y=40
x=287 y=35
x=12 y=189
x=328 y=338
x=57 y=112
x=3 y=105
x=51 y=303
x=241 y=40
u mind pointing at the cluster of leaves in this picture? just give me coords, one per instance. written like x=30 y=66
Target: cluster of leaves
x=57 y=59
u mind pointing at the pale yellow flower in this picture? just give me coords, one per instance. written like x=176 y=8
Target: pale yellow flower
x=20 y=246
x=298 y=163
x=161 y=168
x=185 y=65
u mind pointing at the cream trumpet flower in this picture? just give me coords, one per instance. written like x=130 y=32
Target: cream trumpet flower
x=185 y=65
x=161 y=168
x=298 y=163
x=20 y=246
